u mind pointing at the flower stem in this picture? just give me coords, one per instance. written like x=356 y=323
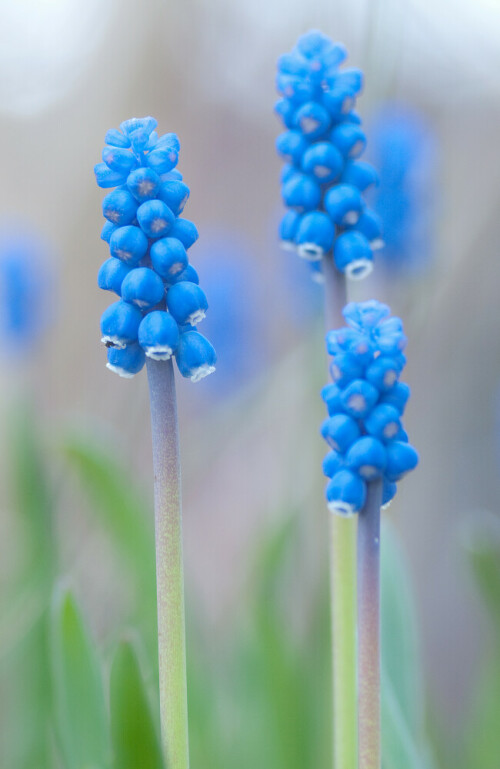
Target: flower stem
x=342 y=585
x=169 y=564
x=369 y=628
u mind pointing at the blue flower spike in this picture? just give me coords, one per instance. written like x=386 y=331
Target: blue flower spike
x=323 y=181
x=160 y=300
x=365 y=406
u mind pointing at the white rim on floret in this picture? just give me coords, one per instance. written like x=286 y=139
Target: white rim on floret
x=114 y=341
x=310 y=251
x=196 y=317
x=387 y=504
x=202 y=372
x=359 y=269
x=120 y=371
x=159 y=352
x=344 y=509
x=376 y=244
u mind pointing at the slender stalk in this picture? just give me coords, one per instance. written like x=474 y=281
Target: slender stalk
x=369 y=628
x=169 y=565
x=342 y=585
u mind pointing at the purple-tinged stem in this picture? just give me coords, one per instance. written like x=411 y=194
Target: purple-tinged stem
x=169 y=564
x=342 y=583
x=369 y=629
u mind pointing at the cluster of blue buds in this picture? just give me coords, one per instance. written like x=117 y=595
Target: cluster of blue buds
x=323 y=180
x=160 y=301
x=365 y=404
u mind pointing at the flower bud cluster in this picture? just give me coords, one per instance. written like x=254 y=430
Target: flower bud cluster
x=160 y=300
x=323 y=180
x=365 y=405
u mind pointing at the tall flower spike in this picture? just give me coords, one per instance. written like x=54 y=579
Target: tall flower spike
x=365 y=406
x=149 y=267
x=323 y=181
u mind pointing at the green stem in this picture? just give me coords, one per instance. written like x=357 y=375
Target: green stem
x=342 y=584
x=169 y=564
x=369 y=628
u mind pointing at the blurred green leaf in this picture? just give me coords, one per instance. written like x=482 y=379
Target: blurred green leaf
x=400 y=635
x=482 y=546
x=399 y=750
x=482 y=734
x=32 y=497
x=134 y=736
x=116 y=501
x=80 y=713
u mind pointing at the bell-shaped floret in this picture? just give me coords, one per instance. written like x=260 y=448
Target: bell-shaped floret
x=360 y=174
x=159 y=335
x=143 y=288
x=313 y=120
x=383 y=422
x=185 y=231
x=116 y=138
x=383 y=373
x=345 y=367
x=340 y=431
x=120 y=160
x=119 y=207
x=358 y=398
x=367 y=457
x=112 y=274
x=163 y=158
x=126 y=361
x=367 y=316
x=286 y=111
x=187 y=303
x=349 y=139
x=331 y=395
x=301 y=192
x=401 y=458
x=129 y=244
x=195 y=356
x=344 y=204
x=291 y=145
x=144 y=184
x=120 y=324
x=314 y=236
x=169 y=258
x=107 y=178
x=369 y=224
x=332 y=463
x=397 y=396
x=175 y=194
x=189 y=274
x=107 y=230
x=155 y=218
x=323 y=161
x=353 y=255
x=345 y=493
x=338 y=100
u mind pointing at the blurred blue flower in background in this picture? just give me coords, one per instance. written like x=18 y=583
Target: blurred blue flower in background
x=403 y=146
x=234 y=324
x=26 y=288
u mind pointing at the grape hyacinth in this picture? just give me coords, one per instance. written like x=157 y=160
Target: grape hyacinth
x=365 y=405
x=323 y=180
x=160 y=301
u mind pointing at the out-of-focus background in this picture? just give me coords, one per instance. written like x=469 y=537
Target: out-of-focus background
x=251 y=450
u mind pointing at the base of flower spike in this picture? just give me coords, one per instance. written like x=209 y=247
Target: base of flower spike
x=120 y=371
x=310 y=251
x=202 y=372
x=344 y=509
x=359 y=269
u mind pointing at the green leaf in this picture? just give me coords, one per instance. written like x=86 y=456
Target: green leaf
x=399 y=629
x=80 y=713
x=134 y=737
